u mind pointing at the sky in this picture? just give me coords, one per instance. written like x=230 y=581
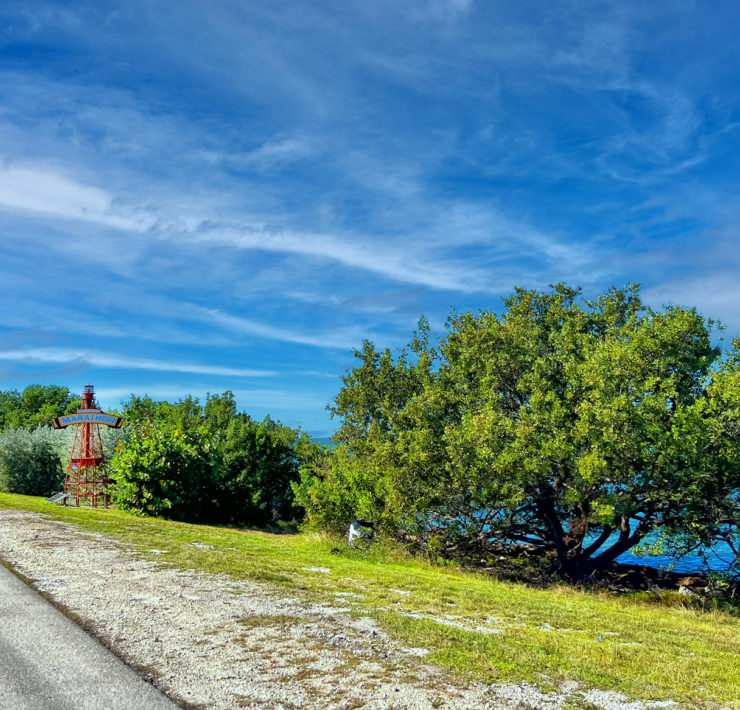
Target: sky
x=232 y=195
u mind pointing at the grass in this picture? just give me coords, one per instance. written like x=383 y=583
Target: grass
x=647 y=651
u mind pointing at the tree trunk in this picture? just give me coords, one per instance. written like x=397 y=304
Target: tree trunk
x=627 y=540
x=598 y=542
x=568 y=558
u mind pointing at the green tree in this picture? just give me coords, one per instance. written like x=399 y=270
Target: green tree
x=207 y=463
x=36 y=406
x=258 y=463
x=164 y=469
x=575 y=427
x=29 y=462
x=219 y=411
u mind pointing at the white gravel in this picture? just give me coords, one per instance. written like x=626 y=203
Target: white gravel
x=222 y=644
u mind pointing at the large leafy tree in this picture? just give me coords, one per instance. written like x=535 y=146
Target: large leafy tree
x=36 y=406
x=574 y=427
x=259 y=461
x=206 y=463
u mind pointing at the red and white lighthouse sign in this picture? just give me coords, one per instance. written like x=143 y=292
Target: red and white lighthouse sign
x=86 y=477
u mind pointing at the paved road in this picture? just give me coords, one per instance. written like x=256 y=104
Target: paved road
x=47 y=662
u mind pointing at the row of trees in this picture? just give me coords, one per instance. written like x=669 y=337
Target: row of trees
x=36 y=406
x=574 y=428
x=185 y=461
x=207 y=463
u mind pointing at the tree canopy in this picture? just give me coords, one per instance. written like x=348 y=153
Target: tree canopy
x=575 y=427
x=36 y=406
x=206 y=463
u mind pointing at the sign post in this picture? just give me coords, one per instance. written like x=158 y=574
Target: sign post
x=86 y=478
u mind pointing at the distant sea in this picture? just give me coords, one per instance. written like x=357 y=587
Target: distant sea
x=324 y=441
x=720 y=557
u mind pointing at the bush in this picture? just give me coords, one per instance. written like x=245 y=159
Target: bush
x=166 y=471
x=30 y=463
x=258 y=461
x=335 y=489
x=207 y=464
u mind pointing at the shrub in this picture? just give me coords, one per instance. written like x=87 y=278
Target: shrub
x=30 y=462
x=207 y=464
x=164 y=470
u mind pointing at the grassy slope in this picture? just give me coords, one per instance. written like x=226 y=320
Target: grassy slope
x=643 y=650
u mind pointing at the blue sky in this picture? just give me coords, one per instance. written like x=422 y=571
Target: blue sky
x=201 y=196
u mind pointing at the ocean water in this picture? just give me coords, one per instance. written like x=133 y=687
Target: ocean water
x=719 y=559
x=323 y=440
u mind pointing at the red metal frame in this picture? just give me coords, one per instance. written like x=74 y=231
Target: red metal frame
x=86 y=478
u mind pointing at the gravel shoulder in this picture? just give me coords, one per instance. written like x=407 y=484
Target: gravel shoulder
x=41 y=650
x=218 y=643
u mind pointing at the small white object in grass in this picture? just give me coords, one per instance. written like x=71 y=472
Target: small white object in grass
x=420 y=652
x=360 y=531
x=322 y=570
x=611 y=700
x=402 y=592
x=200 y=546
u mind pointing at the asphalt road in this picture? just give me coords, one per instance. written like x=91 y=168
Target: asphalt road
x=47 y=662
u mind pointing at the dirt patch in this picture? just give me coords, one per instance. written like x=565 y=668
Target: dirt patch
x=218 y=643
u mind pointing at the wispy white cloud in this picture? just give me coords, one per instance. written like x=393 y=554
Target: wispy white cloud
x=652 y=127
x=277 y=151
x=400 y=262
x=43 y=190
x=700 y=272
x=67 y=319
x=422 y=260
x=347 y=338
x=47 y=192
x=93 y=358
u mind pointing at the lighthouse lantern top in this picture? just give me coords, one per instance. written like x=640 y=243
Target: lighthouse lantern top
x=88 y=413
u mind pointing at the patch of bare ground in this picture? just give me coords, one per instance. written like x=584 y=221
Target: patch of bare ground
x=218 y=643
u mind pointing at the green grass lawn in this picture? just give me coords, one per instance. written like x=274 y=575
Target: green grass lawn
x=645 y=650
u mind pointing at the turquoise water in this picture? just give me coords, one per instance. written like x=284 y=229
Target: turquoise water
x=323 y=440
x=719 y=559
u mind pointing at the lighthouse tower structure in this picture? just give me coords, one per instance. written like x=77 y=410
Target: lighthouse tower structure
x=86 y=479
